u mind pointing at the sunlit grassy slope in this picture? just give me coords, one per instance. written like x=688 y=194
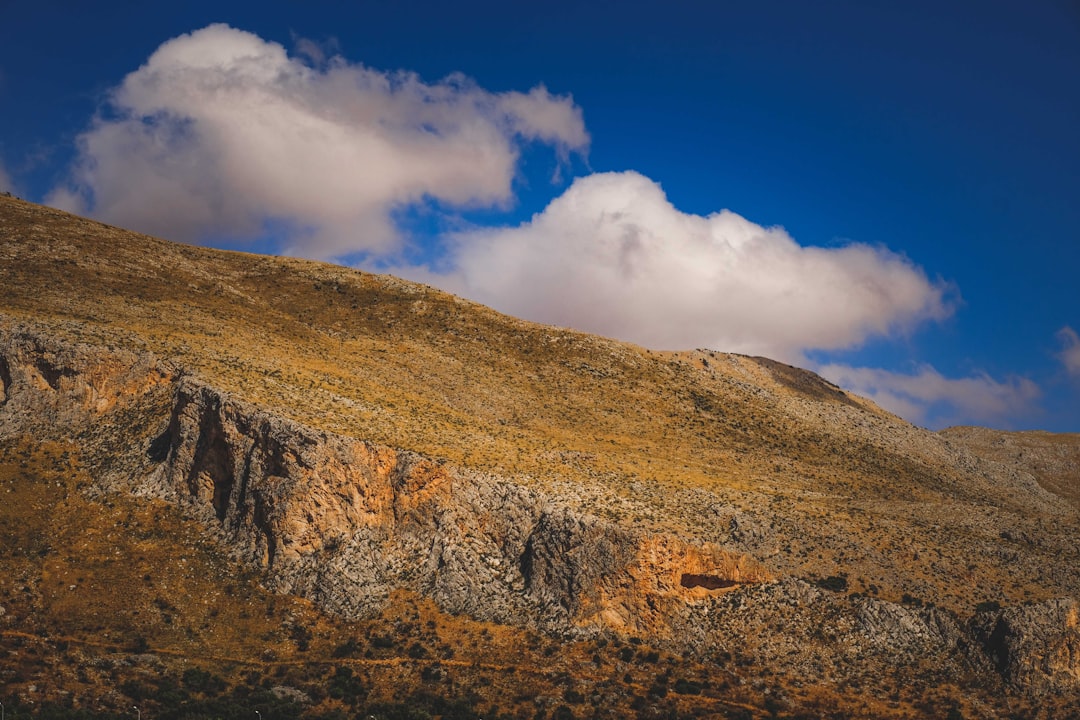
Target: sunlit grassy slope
x=820 y=482
x=405 y=364
x=108 y=599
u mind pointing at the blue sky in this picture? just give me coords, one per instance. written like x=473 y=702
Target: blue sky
x=887 y=193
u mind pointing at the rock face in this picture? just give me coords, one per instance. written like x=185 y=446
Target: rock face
x=1036 y=647
x=343 y=522
x=45 y=385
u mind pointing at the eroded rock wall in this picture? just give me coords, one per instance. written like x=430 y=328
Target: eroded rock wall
x=46 y=385
x=1036 y=646
x=344 y=522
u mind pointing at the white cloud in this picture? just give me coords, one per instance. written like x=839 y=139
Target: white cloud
x=221 y=132
x=1070 y=350
x=613 y=256
x=927 y=396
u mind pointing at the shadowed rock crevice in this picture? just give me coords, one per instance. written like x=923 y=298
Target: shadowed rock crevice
x=1035 y=646
x=5 y=380
x=212 y=475
x=265 y=541
x=158 y=451
x=709 y=582
x=997 y=645
x=52 y=374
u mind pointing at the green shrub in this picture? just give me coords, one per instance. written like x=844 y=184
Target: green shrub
x=687 y=687
x=349 y=648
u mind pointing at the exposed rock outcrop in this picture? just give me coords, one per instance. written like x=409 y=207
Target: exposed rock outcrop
x=344 y=522
x=1035 y=647
x=47 y=385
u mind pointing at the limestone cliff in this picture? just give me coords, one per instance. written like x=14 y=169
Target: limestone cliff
x=344 y=522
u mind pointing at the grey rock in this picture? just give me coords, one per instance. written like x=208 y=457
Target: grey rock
x=1034 y=647
x=285 y=692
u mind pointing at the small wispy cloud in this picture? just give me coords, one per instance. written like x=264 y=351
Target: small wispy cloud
x=1070 y=350
x=6 y=182
x=927 y=397
x=613 y=256
x=317 y=53
x=221 y=133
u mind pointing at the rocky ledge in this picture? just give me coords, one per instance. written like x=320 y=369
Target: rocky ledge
x=343 y=522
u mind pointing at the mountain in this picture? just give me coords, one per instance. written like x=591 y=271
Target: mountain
x=280 y=484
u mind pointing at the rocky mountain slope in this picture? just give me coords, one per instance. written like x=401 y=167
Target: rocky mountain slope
x=346 y=437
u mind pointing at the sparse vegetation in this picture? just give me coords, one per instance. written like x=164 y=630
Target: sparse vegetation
x=109 y=598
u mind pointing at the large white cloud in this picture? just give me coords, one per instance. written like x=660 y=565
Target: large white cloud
x=221 y=132
x=927 y=396
x=614 y=257
x=1070 y=350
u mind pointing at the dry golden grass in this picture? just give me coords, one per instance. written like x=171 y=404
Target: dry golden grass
x=658 y=439
x=822 y=483
x=108 y=600
x=1053 y=458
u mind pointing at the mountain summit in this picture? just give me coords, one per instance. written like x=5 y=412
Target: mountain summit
x=361 y=449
